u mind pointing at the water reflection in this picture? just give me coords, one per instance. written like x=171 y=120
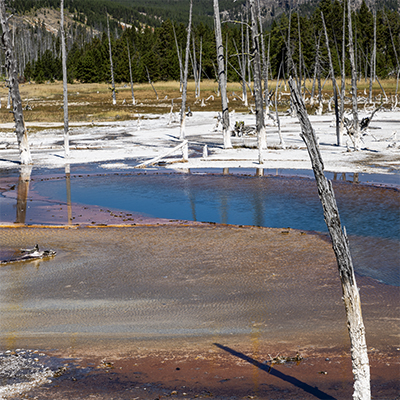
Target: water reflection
x=273 y=201
x=68 y=185
x=22 y=193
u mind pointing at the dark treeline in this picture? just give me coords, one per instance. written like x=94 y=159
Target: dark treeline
x=153 y=49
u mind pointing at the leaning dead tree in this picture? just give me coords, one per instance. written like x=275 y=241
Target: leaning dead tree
x=65 y=82
x=222 y=78
x=11 y=67
x=111 y=63
x=340 y=244
x=185 y=76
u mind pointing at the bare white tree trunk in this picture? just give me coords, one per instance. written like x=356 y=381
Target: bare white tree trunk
x=11 y=66
x=200 y=67
x=179 y=59
x=278 y=121
x=111 y=63
x=262 y=142
x=195 y=70
x=65 y=82
x=226 y=129
x=338 y=135
x=150 y=81
x=130 y=74
x=185 y=76
x=356 y=131
x=343 y=84
x=243 y=68
x=340 y=244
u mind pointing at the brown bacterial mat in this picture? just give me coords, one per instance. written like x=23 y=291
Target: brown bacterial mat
x=191 y=312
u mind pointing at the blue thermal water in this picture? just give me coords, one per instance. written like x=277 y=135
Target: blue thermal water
x=370 y=214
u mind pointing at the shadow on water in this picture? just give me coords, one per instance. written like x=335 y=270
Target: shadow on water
x=274 y=372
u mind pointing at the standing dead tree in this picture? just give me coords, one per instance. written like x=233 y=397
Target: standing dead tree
x=11 y=66
x=340 y=244
x=335 y=96
x=65 y=82
x=355 y=133
x=111 y=63
x=343 y=69
x=130 y=73
x=260 y=122
x=185 y=76
x=222 y=78
x=179 y=59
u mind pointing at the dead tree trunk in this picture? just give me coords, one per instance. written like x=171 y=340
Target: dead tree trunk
x=130 y=73
x=11 y=66
x=65 y=82
x=343 y=83
x=338 y=135
x=179 y=59
x=263 y=57
x=278 y=121
x=243 y=67
x=111 y=63
x=194 y=66
x=300 y=52
x=356 y=133
x=150 y=81
x=222 y=78
x=200 y=66
x=260 y=122
x=340 y=244
x=185 y=76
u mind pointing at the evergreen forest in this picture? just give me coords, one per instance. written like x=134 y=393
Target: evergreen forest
x=153 y=48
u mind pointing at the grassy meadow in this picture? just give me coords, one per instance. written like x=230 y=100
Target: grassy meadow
x=93 y=102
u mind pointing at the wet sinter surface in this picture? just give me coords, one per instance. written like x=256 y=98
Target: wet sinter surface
x=124 y=290
x=369 y=213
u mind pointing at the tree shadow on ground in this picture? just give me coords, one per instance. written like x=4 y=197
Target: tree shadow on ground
x=287 y=378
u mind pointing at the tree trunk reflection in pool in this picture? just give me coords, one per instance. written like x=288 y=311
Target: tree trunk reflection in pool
x=370 y=213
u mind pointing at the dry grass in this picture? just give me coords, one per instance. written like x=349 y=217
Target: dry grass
x=93 y=102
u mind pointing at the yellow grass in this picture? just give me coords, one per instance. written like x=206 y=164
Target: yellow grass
x=93 y=102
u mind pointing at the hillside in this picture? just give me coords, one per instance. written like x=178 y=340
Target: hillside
x=154 y=12
x=153 y=47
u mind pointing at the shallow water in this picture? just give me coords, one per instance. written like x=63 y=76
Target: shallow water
x=369 y=213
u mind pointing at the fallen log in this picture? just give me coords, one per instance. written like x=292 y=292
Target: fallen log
x=183 y=146
x=30 y=255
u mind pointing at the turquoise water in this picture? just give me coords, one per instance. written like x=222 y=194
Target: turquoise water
x=370 y=213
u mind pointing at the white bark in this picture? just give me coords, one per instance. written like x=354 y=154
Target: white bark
x=11 y=66
x=226 y=129
x=185 y=152
x=262 y=142
x=65 y=82
x=185 y=76
x=340 y=244
x=111 y=64
x=356 y=134
x=179 y=59
x=335 y=96
x=130 y=74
